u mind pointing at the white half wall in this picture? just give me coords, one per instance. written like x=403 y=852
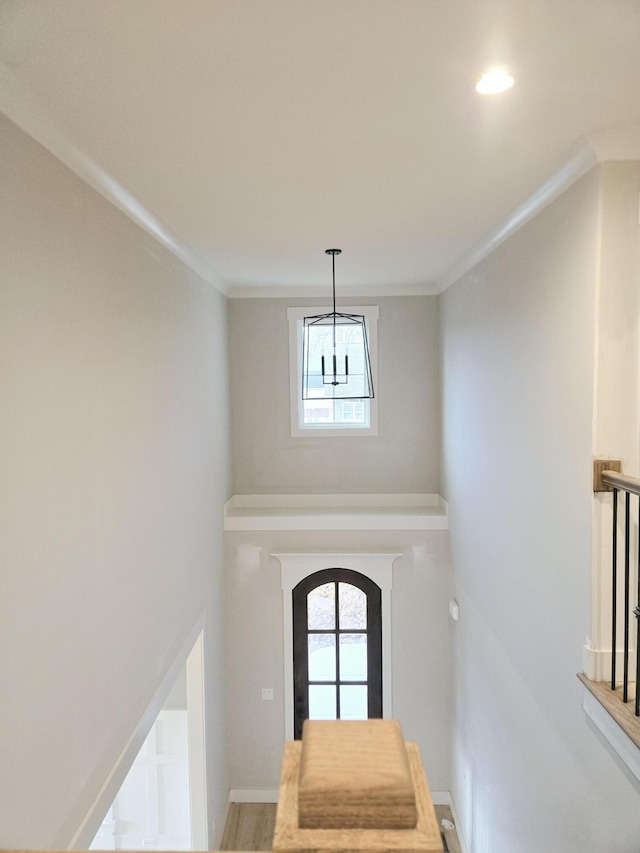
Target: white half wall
x=518 y=336
x=114 y=455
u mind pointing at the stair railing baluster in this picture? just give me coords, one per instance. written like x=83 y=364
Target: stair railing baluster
x=636 y=613
x=625 y=659
x=608 y=476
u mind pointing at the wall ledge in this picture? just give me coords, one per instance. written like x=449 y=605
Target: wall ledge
x=336 y=512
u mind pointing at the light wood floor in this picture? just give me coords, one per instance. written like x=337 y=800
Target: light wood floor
x=250 y=826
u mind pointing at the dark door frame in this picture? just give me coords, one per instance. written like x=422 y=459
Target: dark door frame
x=300 y=642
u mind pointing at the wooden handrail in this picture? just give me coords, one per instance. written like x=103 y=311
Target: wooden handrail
x=621 y=481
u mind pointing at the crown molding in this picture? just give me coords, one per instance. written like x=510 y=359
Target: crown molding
x=20 y=104
x=600 y=147
x=581 y=160
x=620 y=144
x=317 y=291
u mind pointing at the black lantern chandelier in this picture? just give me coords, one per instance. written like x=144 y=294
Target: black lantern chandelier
x=335 y=354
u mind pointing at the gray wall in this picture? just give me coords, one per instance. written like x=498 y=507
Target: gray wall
x=114 y=458
x=402 y=458
x=518 y=332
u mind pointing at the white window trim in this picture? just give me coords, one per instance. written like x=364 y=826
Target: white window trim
x=295 y=317
x=295 y=568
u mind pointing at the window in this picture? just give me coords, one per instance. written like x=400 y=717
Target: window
x=337 y=647
x=323 y=415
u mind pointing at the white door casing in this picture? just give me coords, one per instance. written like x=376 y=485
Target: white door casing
x=294 y=568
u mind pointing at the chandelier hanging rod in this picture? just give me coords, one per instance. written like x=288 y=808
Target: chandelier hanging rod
x=333 y=253
x=353 y=334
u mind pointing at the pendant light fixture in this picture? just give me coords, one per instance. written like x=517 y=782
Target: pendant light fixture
x=335 y=354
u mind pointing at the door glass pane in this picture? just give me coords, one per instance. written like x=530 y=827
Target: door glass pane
x=353 y=702
x=353 y=657
x=322 y=657
x=322 y=702
x=321 y=607
x=353 y=607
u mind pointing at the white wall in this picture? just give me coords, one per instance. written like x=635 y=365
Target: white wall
x=113 y=451
x=420 y=644
x=616 y=432
x=616 y=420
x=529 y=772
x=402 y=458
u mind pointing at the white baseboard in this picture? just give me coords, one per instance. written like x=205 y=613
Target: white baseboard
x=596 y=663
x=463 y=842
x=253 y=795
x=444 y=798
x=441 y=798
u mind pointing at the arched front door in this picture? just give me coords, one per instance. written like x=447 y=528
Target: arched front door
x=337 y=647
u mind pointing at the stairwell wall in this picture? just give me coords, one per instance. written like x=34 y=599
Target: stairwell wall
x=114 y=449
x=518 y=341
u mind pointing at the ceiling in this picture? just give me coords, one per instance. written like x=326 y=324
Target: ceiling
x=260 y=132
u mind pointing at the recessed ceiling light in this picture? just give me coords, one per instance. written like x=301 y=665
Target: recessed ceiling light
x=494 y=82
